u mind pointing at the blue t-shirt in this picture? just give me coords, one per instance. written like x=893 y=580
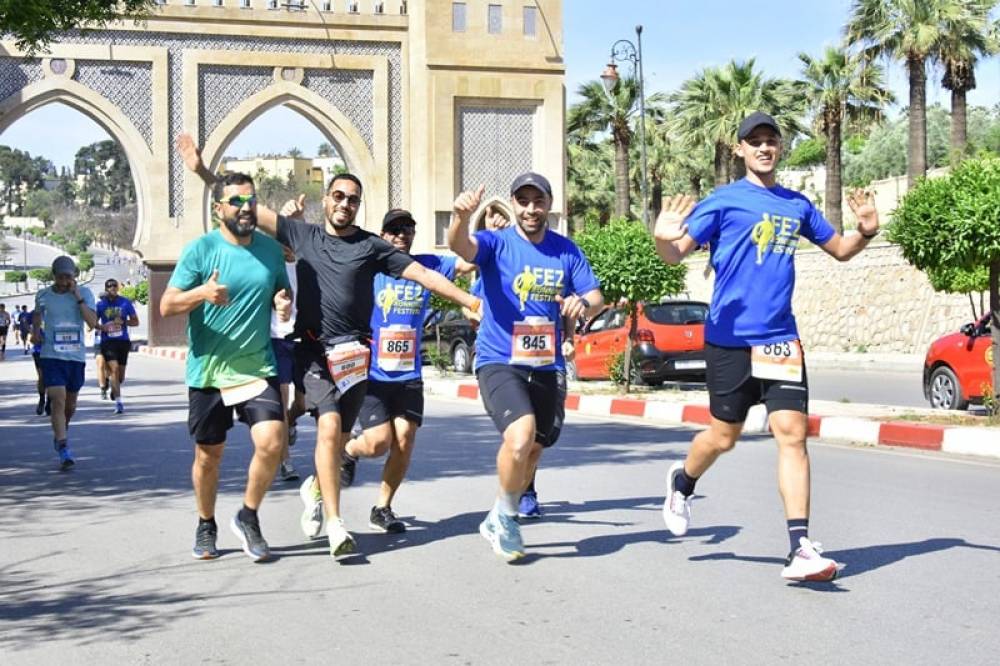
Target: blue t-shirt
x=108 y=311
x=754 y=232
x=521 y=279
x=402 y=303
x=63 y=324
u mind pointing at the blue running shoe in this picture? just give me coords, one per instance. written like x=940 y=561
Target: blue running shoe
x=204 y=542
x=504 y=534
x=529 y=507
x=248 y=532
x=65 y=455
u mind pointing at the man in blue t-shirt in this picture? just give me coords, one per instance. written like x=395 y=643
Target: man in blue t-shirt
x=116 y=314
x=62 y=310
x=393 y=407
x=531 y=278
x=752 y=345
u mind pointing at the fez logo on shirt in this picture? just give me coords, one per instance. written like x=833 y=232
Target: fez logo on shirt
x=538 y=284
x=406 y=298
x=776 y=234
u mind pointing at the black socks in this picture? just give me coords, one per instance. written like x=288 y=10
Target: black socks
x=247 y=515
x=685 y=483
x=797 y=527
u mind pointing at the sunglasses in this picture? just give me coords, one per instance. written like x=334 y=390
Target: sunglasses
x=240 y=200
x=352 y=199
x=407 y=229
x=111 y=285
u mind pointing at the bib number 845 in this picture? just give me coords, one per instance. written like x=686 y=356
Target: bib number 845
x=534 y=342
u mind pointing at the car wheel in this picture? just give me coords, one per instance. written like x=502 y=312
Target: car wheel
x=571 y=371
x=945 y=392
x=461 y=358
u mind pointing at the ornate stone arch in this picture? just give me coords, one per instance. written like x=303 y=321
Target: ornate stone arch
x=479 y=218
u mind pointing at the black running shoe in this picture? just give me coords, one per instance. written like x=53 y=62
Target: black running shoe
x=104 y=393
x=41 y=405
x=204 y=542
x=250 y=537
x=347 y=469
x=48 y=407
x=384 y=520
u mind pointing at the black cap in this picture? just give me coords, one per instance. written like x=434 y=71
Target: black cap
x=397 y=215
x=64 y=265
x=755 y=120
x=531 y=179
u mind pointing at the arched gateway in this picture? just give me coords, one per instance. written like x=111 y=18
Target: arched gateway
x=420 y=98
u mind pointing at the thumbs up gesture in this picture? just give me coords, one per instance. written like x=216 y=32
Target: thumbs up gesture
x=283 y=305
x=294 y=207
x=215 y=293
x=467 y=202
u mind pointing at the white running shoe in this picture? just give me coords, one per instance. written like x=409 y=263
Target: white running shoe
x=676 y=507
x=312 y=513
x=807 y=563
x=341 y=541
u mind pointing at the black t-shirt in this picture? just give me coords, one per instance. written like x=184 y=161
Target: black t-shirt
x=336 y=274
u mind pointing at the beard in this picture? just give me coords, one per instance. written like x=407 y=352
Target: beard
x=242 y=226
x=531 y=226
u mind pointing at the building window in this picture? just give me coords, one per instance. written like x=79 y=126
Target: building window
x=189 y=3
x=530 y=18
x=442 y=220
x=458 y=17
x=495 y=19
x=216 y=3
x=245 y=4
x=328 y=6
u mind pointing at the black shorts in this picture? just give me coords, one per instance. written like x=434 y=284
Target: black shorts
x=510 y=392
x=209 y=419
x=3 y=331
x=387 y=400
x=284 y=356
x=312 y=378
x=732 y=390
x=116 y=350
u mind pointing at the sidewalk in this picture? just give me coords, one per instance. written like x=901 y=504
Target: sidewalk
x=846 y=422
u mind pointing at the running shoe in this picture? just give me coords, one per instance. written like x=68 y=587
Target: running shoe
x=384 y=520
x=104 y=393
x=808 y=564
x=41 y=405
x=293 y=434
x=347 y=470
x=529 y=507
x=65 y=455
x=676 y=507
x=48 y=407
x=119 y=407
x=204 y=542
x=504 y=534
x=287 y=471
x=312 y=515
x=248 y=532
x=341 y=541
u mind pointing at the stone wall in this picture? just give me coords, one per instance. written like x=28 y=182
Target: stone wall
x=876 y=302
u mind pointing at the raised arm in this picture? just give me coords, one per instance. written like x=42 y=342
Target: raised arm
x=459 y=240
x=176 y=301
x=441 y=286
x=670 y=233
x=843 y=248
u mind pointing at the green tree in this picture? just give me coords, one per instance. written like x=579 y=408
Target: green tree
x=138 y=293
x=840 y=87
x=589 y=182
x=954 y=223
x=953 y=280
x=6 y=251
x=624 y=259
x=34 y=24
x=43 y=275
x=20 y=174
x=15 y=278
x=806 y=153
x=84 y=261
x=107 y=175
x=325 y=150
x=39 y=203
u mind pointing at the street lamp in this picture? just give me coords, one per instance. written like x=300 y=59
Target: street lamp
x=621 y=51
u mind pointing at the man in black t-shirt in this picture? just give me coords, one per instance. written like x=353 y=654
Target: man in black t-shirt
x=337 y=263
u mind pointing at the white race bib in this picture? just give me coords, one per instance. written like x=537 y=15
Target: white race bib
x=234 y=395
x=533 y=342
x=114 y=331
x=397 y=348
x=780 y=361
x=348 y=364
x=66 y=338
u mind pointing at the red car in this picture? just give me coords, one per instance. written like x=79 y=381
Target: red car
x=670 y=342
x=958 y=366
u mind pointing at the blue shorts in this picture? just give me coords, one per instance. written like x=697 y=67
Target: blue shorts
x=56 y=372
x=284 y=355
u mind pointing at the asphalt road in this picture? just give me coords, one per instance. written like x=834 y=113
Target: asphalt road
x=95 y=564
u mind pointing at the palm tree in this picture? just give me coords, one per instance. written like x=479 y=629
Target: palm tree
x=599 y=112
x=963 y=43
x=588 y=182
x=913 y=31
x=839 y=87
x=708 y=108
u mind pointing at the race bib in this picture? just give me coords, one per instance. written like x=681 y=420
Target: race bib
x=234 y=395
x=397 y=348
x=780 y=361
x=348 y=364
x=66 y=339
x=533 y=342
x=114 y=331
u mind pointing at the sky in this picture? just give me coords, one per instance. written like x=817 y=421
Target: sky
x=679 y=38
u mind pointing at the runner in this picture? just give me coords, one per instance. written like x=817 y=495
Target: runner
x=4 y=328
x=100 y=364
x=24 y=319
x=62 y=309
x=752 y=344
x=225 y=282
x=530 y=276
x=338 y=263
x=393 y=406
x=116 y=313
x=44 y=404
x=284 y=355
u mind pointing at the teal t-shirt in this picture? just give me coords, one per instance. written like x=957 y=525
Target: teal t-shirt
x=63 y=324
x=230 y=344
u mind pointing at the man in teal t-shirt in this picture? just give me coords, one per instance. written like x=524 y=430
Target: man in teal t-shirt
x=226 y=282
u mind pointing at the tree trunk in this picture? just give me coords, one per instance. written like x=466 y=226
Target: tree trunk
x=721 y=163
x=655 y=198
x=995 y=328
x=695 y=182
x=917 y=153
x=633 y=323
x=959 y=125
x=834 y=184
x=621 y=177
x=738 y=168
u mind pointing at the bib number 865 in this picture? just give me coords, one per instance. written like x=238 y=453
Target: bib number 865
x=397 y=346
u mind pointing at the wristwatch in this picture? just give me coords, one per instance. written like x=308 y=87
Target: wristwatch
x=79 y=301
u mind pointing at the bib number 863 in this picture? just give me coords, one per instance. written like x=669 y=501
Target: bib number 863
x=778 y=349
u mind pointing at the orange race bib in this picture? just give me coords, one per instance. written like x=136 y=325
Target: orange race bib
x=533 y=342
x=780 y=361
x=348 y=364
x=397 y=348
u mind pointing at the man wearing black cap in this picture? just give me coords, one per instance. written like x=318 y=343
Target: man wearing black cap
x=752 y=345
x=62 y=309
x=394 y=402
x=531 y=277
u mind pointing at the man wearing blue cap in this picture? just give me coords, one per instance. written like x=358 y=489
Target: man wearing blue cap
x=752 y=345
